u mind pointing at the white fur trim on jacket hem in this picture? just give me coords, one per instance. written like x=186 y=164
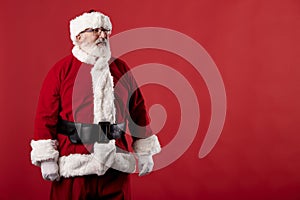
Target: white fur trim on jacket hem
x=43 y=150
x=147 y=146
x=124 y=163
x=86 y=164
x=79 y=165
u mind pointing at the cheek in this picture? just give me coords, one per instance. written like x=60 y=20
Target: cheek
x=88 y=39
x=91 y=39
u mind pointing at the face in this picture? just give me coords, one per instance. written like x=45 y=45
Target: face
x=93 y=41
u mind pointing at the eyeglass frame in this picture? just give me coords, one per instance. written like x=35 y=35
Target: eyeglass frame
x=96 y=30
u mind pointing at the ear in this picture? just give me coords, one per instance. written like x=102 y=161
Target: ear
x=78 y=38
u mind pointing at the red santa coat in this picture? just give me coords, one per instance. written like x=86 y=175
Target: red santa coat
x=67 y=94
x=57 y=98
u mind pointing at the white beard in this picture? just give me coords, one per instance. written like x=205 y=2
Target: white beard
x=101 y=51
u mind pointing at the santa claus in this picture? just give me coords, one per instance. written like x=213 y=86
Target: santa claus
x=79 y=135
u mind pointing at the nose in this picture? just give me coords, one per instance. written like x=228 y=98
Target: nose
x=102 y=34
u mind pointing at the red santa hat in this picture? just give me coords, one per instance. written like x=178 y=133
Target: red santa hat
x=91 y=19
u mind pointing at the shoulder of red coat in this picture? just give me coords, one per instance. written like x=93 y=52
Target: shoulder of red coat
x=64 y=65
x=67 y=60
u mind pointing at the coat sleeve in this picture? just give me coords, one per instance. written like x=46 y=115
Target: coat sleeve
x=44 y=143
x=144 y=141
x=48 y=107
x=138 y=119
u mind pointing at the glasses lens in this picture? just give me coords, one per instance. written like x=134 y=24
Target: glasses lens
x=97 y=30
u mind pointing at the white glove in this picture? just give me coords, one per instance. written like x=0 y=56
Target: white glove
x=50 y=170
x=145 y=164
x=105 y=153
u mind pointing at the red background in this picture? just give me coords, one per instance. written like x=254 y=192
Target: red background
x=255 y=45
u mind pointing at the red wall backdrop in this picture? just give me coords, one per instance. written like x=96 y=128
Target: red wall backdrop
x=255 y=45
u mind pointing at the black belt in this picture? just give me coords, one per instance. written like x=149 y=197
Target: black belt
x=81 y=133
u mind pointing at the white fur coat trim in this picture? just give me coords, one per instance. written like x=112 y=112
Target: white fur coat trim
x=86 y=164
x=104 y=107
x=147 y=146
x=43 y=150
x=88 y=20
x=103 y=86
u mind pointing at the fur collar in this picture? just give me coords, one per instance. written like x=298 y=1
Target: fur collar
x=83 y=56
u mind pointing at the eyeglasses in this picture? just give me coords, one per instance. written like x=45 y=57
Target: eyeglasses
x=96 y=30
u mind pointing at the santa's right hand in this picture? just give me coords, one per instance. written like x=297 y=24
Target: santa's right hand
x=50 y=170
x=105 y=153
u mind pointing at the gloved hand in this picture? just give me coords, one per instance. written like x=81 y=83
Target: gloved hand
x=105 y=153
x=145 y=164
x=50 y=170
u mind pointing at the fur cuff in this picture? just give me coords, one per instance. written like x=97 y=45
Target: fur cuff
x=148 y=146
x=43 y=150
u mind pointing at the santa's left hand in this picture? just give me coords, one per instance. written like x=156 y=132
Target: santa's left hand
x=145 y=164
x=50 y=170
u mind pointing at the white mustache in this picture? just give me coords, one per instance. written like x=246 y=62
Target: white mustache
x=101 y=41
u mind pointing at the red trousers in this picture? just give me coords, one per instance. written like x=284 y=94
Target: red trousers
x=113 y=185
